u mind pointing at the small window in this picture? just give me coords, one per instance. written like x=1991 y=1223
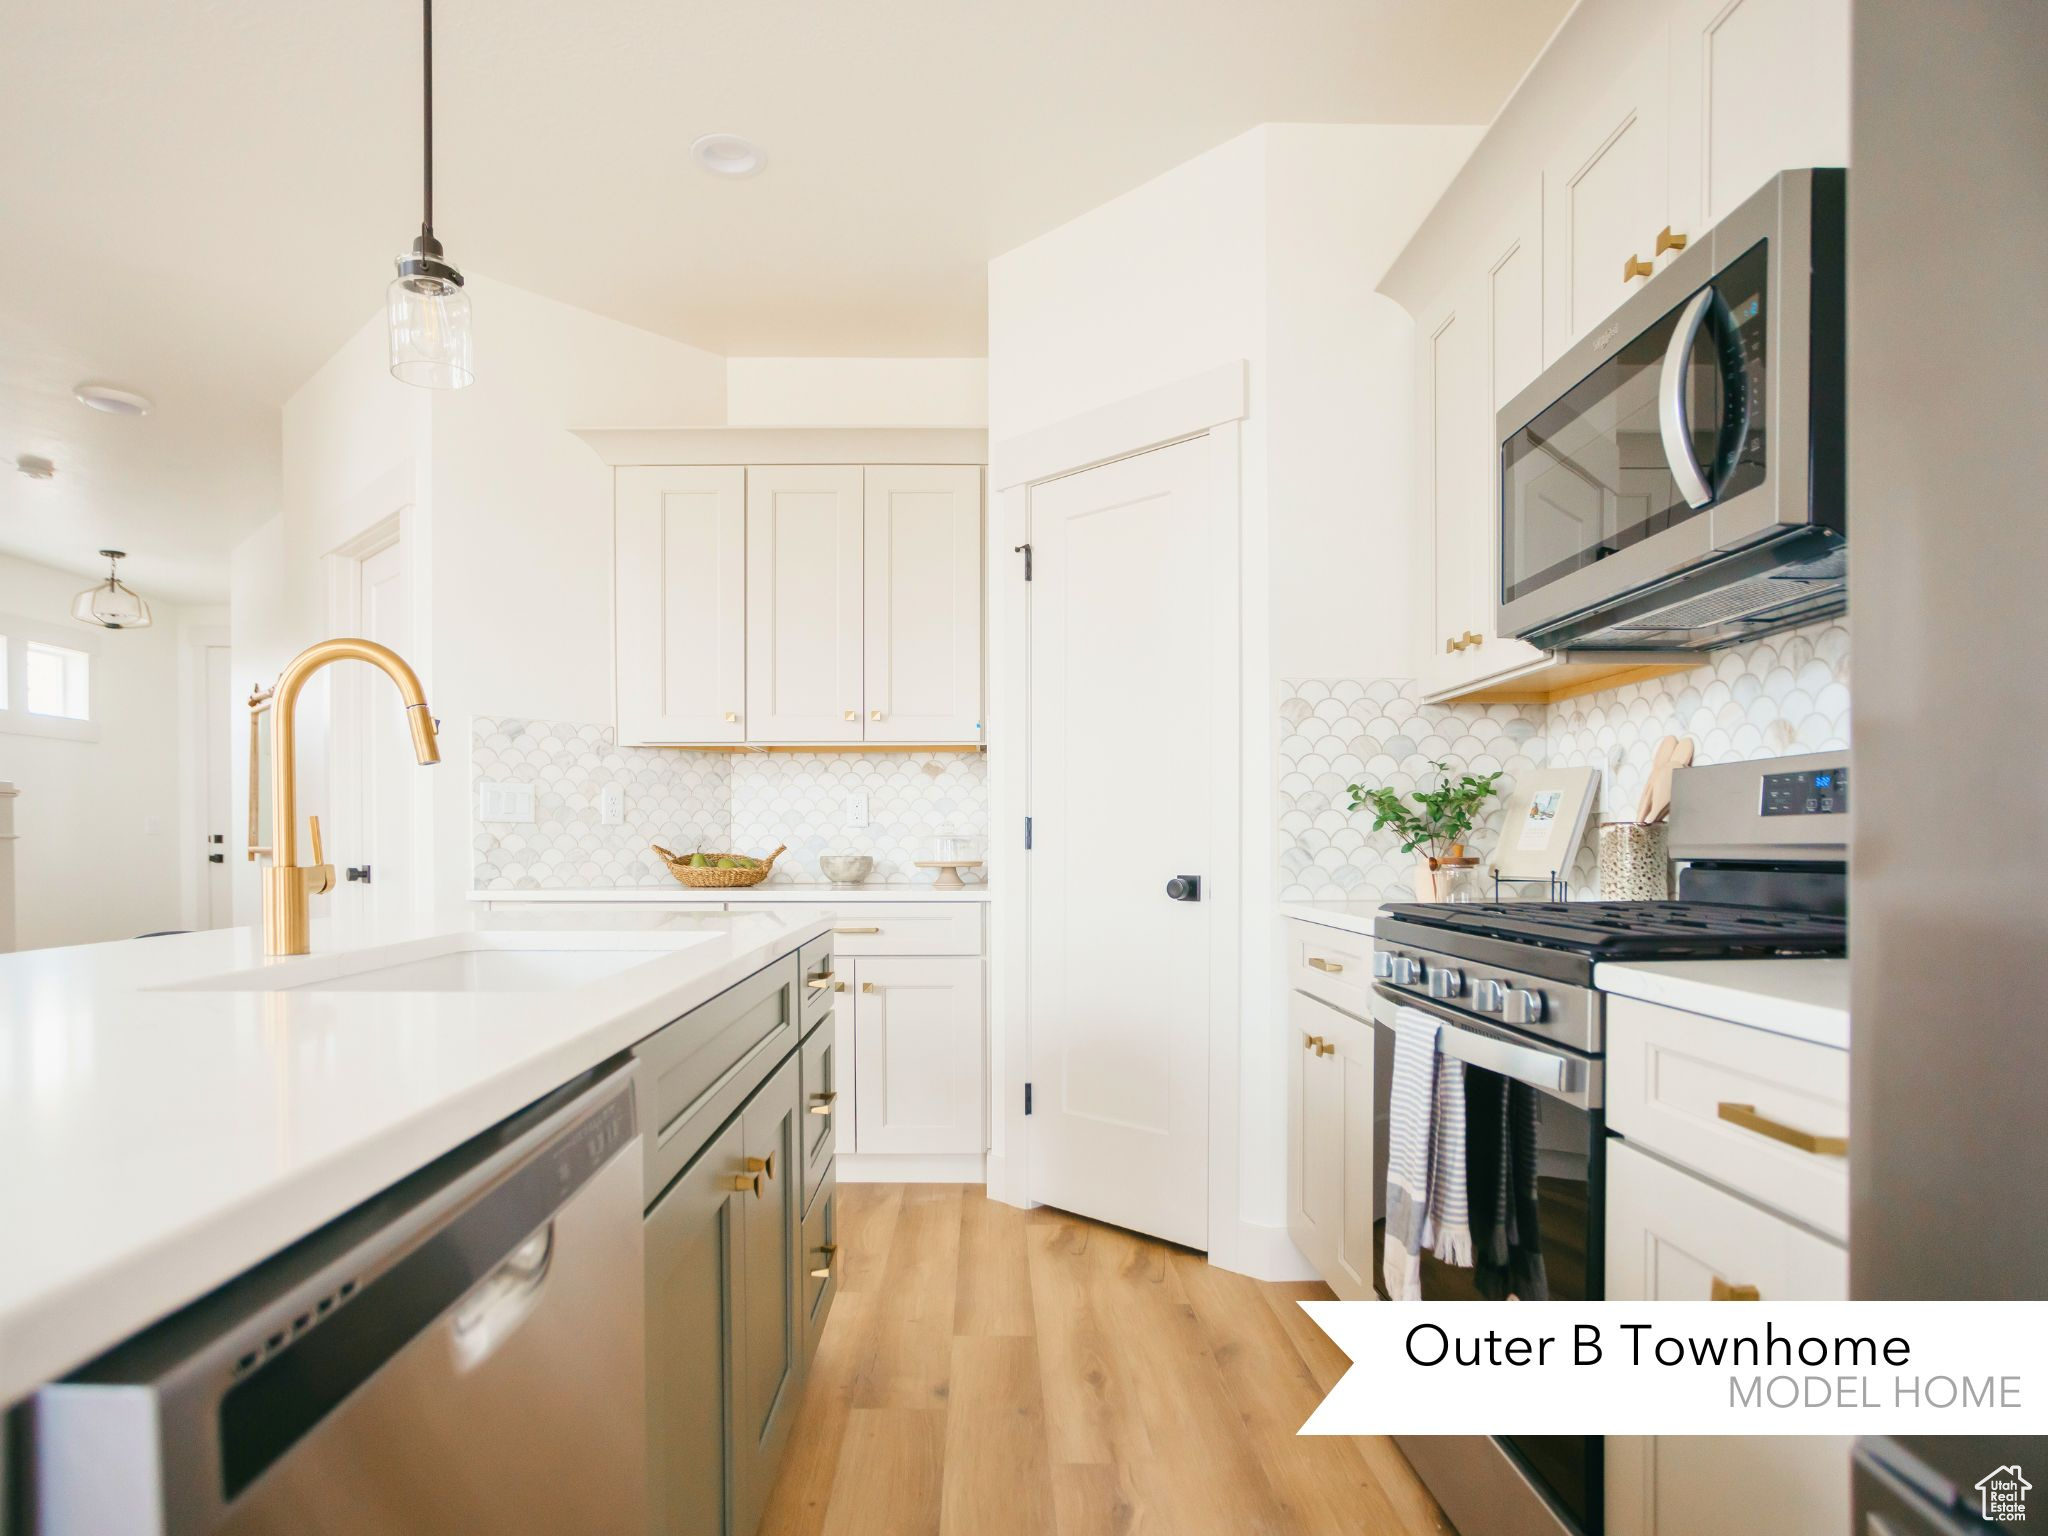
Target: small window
x=59 y=682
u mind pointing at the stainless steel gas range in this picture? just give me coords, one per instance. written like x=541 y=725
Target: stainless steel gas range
x=1762 y=852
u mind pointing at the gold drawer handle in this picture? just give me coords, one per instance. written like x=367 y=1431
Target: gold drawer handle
x=1634 y=268
x=762 y=1165
x=1327 y=967
x=856 y=930
x=1745 y=1115
x=820 y=983
x=824 y=1104
x=829 y=1250
x=742 y=1182
x=1667 y=241
x=1721 y=1290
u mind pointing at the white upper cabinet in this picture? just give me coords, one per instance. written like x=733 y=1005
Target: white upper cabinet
x=681 y=575
x=1606 y=190
x=804 y=596
x=923 y=577
x=1757 y=86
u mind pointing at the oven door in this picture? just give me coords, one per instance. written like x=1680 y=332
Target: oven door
x=1548 y=1478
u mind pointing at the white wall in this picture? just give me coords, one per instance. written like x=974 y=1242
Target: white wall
x=100 y=851
x=856 y=391
x=1266 y=249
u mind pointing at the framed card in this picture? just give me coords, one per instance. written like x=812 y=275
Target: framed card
x=1546 y=818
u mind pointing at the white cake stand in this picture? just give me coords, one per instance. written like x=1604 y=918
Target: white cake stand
x=949 y=872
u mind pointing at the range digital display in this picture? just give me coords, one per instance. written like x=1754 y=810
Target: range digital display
x=1816 y=792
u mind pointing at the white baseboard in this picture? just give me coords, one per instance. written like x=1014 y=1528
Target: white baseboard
x=911 y=1168
x=1264 y=1253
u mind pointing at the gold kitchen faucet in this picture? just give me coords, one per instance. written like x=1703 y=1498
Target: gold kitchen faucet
x=289 y=886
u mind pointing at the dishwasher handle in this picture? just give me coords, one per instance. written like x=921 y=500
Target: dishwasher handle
x=492 y=1313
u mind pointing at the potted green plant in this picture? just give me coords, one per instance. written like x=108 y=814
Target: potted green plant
x=1434 y=825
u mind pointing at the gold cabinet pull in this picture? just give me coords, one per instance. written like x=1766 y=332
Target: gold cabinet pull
x=742 y=1182
x=867 y=986
x=856 y=930
x=1745 y=1115
x=874 y=714
x=824 y=1104
x=732 y=716
x=820 y=983
x=762 y=1165
x=1721 y=1290
x=853 y=714
x=1327 y=967
x=1667 y=241
x=1463 y=642
x=838 y=986
x=1310 y=1042
x=830 y=1250
x=1634 y=268
x=1325 y=1048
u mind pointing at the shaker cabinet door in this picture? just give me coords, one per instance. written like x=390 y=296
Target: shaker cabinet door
x=1311 y=1133
x=680 y=585
x=804 y=595
x=923 y=608
x=696 y=1280
x=919 y=1030
x=770 y=1375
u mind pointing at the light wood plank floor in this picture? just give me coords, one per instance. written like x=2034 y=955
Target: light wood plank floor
x=989 y=1371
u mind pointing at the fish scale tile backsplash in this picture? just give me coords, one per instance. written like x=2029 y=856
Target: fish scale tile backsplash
x=1783 y=694
x=717 y=801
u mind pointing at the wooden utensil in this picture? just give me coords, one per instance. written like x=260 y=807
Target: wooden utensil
x=1660 y=764
x=1660 y=779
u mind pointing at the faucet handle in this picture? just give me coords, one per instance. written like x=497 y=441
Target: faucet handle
x=313 y=825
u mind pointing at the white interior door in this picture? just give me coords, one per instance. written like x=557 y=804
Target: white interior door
x=216 y=892
x=804 y=665
x=1122 y=687
x=923 y=576
x=381 y=842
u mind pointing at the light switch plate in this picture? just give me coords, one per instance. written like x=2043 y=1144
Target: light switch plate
x=504 y=802
x=856 y=810
x=611 y=806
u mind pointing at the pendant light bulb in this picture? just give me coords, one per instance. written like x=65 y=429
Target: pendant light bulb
x=111 y=604
x=426 y=307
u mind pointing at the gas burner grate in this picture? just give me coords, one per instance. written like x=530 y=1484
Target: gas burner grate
x=1671 y=930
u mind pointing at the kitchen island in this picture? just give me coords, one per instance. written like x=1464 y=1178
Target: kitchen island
x=168 y=1121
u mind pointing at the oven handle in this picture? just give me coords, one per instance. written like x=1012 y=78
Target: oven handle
x=1671 y=419
x=1564 y=1077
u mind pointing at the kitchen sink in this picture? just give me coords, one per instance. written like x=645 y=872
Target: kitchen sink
x=464 y=962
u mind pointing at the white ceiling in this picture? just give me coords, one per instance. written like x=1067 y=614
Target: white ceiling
x=199 y=199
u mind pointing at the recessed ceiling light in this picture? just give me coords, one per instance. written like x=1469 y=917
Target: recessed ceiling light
x=115 y=402
x=36 y=467
x=727 y=154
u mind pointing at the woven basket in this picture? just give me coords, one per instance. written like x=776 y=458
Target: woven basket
x=700 y=878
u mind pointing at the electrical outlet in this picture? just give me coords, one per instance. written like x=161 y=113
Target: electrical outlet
x=504 y=802
x=611 y=806
x=856 y=810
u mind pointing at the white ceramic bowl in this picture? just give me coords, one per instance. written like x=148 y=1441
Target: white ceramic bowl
x=846 y=868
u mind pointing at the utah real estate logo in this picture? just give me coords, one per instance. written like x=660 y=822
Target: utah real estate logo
x=2005 y=1495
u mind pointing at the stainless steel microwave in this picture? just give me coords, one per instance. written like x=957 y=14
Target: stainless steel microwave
x=1675 y=480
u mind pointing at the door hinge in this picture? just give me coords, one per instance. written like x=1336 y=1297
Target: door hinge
x=1025 y=551
x=1027 y=1098
x=1027 y=834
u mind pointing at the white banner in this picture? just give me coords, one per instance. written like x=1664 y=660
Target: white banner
x=1687 y=1368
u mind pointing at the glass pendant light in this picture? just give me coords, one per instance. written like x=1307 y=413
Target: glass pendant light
x=429 y=312
x=111 y=605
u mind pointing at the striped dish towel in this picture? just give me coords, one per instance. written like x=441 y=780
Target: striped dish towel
x=1411 y=1116
x=1449 y=1234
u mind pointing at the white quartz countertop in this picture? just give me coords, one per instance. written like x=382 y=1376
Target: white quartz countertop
x=1805 y=998
x=154 y=1144
x=1351 y=916
x=677 y=895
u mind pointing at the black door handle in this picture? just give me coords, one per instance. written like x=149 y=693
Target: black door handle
x=216 y=858
x=1185 y=888
x=359 y=872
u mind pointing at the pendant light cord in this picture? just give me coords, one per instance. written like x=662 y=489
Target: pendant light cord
x=427 y=20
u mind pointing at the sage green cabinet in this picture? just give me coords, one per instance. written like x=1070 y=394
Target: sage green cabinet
x=769 y=1369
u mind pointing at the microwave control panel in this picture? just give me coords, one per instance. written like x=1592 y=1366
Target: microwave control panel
x=1816 y=792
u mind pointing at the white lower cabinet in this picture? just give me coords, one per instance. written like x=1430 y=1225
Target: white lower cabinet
x=1331 y=1127
x=919 y=1027
x=1674 y=1237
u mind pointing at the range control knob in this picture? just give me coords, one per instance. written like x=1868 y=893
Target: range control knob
x=1444 y=982
x=1382 y=965
x=1407 y=973
x=1523 y=1006
x=1489 y=996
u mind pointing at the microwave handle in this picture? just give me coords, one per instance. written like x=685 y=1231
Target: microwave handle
x=1676 y=430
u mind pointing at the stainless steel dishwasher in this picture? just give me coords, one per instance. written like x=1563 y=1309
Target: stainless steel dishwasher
x=462 y=1353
